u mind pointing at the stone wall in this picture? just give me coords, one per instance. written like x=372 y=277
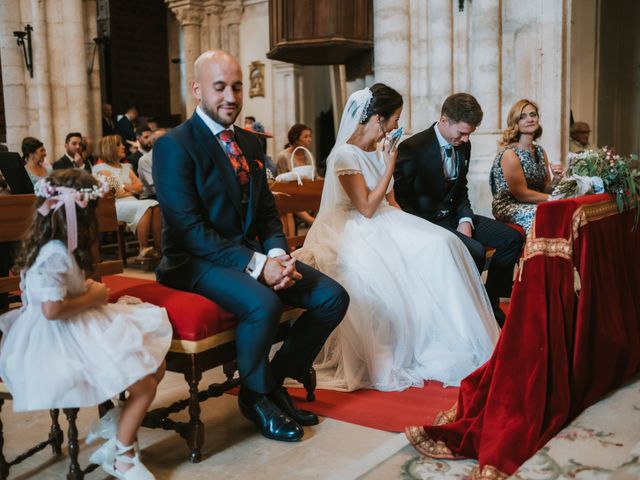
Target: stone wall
x=497 y=50
x=62 y=95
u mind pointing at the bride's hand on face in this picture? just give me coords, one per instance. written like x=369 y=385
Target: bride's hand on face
x=390 y=155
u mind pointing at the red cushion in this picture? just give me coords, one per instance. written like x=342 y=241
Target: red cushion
x=192 y=316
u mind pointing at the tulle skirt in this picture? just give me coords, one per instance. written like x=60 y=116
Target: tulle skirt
x=83 y=360
x=418 y=309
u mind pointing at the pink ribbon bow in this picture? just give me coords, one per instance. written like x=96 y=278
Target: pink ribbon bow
x=69 y=197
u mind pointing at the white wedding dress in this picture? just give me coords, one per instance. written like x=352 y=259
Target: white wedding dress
x=418 y=309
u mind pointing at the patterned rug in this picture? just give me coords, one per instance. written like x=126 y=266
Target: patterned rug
x=601 y=443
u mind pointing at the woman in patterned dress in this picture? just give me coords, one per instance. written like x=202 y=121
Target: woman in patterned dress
x=520 y=177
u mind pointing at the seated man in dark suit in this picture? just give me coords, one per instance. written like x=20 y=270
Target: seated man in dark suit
x=223 y=239
x=144 y=137
x=431 y=182
x=73 y=156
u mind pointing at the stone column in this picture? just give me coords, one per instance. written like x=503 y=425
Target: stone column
x=230 y=27
x=210 y=36
x=484 y=80
x=486 y=60
x=190 y=17
x=421 y=113
x=93 y=57
x=439 y=56
x=287 y=99
x=14 y=74
x=41 y=100
x=392 y=60
x=76 y=78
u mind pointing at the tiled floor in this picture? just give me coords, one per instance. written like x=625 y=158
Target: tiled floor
x=233 y=449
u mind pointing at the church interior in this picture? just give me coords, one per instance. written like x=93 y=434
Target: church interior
x=559 y=397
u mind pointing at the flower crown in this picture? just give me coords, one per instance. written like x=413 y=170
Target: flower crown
x=44 y=189
x=57 y=196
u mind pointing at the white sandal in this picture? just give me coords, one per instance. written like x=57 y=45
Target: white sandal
x=137 y=472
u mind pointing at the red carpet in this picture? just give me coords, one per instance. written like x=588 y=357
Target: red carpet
x=390 y=411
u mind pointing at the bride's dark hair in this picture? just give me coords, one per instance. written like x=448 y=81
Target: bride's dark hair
x=384 y=101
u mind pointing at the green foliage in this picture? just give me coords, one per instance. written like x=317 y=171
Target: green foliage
x=620 y=175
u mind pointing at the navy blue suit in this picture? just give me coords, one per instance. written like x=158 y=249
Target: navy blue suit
x=209 y=238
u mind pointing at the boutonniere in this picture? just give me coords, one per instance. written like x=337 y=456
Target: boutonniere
x=259 y=164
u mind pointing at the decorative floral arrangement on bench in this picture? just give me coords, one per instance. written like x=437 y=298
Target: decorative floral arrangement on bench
x=602 y=170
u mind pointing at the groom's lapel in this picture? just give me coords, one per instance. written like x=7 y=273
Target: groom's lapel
x=434 y=164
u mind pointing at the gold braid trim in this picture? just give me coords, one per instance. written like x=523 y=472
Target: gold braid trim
x=487 y=473
x=563 y=247
x=448 y=416
x=427 y=446
x=591 y=213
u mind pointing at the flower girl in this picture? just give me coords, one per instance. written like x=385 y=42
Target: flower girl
x=67 y=347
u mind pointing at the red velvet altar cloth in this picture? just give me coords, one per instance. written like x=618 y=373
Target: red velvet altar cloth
x=571 y=336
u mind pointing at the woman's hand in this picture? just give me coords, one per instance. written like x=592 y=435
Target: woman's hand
x=557 y=170
x=390 y=154
x=98 y=293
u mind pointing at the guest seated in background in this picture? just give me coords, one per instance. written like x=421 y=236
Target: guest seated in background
x=145 y=168
x=72 y=157
x=141 y=216
x=86 y=150
x=579 y=141
x=144 y=138
x=33 y=155
x=520 y=177
x=299 y=136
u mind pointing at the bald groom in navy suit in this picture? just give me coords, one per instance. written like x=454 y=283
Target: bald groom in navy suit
x=223 y=239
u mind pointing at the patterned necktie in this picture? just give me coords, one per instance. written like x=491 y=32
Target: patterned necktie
x=238 y=162
x=449 y=165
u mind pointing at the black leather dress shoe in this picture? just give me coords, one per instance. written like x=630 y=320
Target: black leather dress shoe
x=272 y=422
x=283 y=401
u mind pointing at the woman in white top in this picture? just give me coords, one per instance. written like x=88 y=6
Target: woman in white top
x=418 y=309
x=299 y=135
x=34 y=154
x=141 y=216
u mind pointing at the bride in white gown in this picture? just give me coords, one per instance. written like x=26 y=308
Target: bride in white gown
x=418 y=309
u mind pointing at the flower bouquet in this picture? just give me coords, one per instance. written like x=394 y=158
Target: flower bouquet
x=595 y=171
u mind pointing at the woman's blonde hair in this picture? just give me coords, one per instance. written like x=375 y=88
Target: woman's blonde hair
x=107 y=149
x=512 y=133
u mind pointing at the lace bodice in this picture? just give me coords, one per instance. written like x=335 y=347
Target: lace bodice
x=54 y=275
